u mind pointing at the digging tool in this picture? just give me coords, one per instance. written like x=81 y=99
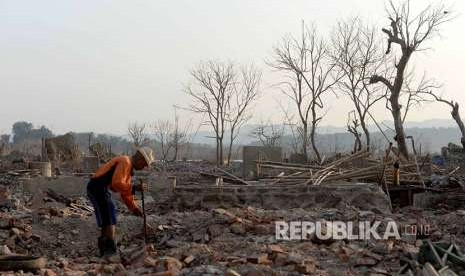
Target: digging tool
x=143 y=212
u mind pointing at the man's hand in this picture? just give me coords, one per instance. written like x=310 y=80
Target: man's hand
x=137 y=212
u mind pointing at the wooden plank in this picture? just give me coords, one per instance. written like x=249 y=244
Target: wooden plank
x=429 y=270
x=233 y=176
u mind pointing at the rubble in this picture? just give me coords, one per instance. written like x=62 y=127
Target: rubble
x=200 y=228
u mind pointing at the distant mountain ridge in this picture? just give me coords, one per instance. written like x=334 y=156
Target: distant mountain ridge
x=430 y=134
x=423 y=128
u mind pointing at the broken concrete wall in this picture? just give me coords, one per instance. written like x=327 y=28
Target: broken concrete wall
x=252 y=153
x=333 y=195
x=68 y=186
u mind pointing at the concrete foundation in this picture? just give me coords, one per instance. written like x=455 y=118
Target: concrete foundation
x=364 y=196
x=68 y=186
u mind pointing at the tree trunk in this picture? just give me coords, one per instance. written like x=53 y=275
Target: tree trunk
x=163 y=155
x=217 y=134
x=305 y=141
x=220 y=161
x=400 y=134
x=359 y=142
x=362 y=116
x=394 y=100
x=312 y=134
x=175 y=156
x=456 y=116
x=312 y=138
x=217 y=150
x=231 y=140
x=366 y=131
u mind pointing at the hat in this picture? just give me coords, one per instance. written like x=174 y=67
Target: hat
x=147 y=153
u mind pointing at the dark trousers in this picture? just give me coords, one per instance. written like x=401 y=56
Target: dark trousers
x=104 y=206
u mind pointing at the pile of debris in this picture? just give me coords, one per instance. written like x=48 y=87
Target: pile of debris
x=229 y=227
x=357 y=167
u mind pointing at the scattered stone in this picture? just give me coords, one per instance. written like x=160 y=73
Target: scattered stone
x=48 y=272
x=173 y=243
x=75 y=273
x=15 y=232
x=231 y=272
x=373 y=256
x=216 y=230
x=4 y=250
x=294 y=259
x=163 y=273
x=167 y=263
x=237 y=228
x=263 y=229
x=365 y=262
x=62 y=262
x=306 y=268
x=150 y=262
x=259 y=259
x=254 y=271
x=273 y=248
x=189 y=259
x=280 y=259
x=200 y=236
x=5 y=196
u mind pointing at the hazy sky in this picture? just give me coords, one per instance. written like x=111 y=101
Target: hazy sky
x=97 y=65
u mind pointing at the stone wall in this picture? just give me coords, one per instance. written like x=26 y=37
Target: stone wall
x=364 y=196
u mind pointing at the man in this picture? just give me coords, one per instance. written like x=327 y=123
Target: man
x=116 y=176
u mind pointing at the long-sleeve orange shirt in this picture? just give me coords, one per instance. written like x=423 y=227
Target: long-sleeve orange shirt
x=121 y=179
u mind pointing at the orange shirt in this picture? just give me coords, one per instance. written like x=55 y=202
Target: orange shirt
x=121 y=180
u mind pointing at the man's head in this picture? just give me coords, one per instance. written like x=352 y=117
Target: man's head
x=142 y=158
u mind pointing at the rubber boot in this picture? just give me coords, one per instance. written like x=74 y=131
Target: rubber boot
x=101 y=245
x=110 y=251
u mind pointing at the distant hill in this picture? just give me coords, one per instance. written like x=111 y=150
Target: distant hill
x=431 y=134
x=426 y=139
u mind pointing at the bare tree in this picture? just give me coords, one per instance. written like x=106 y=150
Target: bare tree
x=5 y=138
x=409 y=32
x=352 y=127
x=162 y=130
x=268 y=134
x=454 y=112
x=171 y=136
x=358 y=55
x=4 y=142
x=211 y=90
x=295 y=140
x=137 y=133
x=180 y=135
x=306 y=62
x=245 y=92
x=224 y=95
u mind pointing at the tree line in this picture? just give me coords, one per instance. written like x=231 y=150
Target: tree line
x=357 y=60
